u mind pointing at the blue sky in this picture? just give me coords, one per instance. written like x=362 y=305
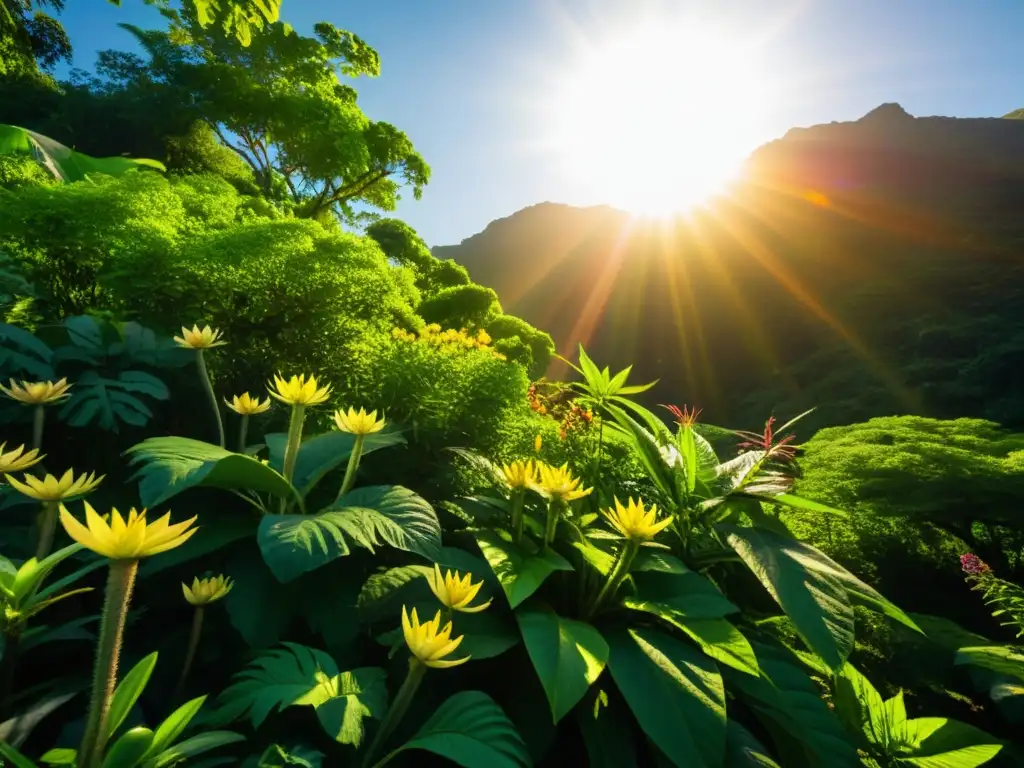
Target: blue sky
x=465 y=78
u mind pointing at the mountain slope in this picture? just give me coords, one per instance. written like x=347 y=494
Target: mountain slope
x=867 y=268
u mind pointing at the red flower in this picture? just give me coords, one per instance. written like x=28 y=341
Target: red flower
x=780 y=450
x=686 y=417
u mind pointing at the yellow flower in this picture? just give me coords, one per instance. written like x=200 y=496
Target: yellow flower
x=454 y=592
x=537 y=443
x=298 y=390
x=37 y=392
x=17 y=459
x=634 y=522
x=199 y=338
x=520 y=474
x=129 y=539
x=246 y=405
x=358 y=422
x=558 y=483
x=208 y=590
x=52 y=489
x=428 y=642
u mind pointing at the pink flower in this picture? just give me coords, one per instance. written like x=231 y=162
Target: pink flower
x=973 y=564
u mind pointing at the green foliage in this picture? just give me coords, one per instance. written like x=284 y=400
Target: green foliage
x=463 y=306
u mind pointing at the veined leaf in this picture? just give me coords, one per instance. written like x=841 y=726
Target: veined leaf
x=998 y=658
x=936 y=742
x=520 y=571
x=322 y=453
x=297 y=675
x=62 y=162
x=742 y=750
x=861 y=708
x=471 y=730
x=676 y=694
x=567 y=654
x=815 y=592
x=686 y=595
x=169 y=465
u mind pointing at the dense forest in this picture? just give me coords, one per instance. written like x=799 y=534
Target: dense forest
x=280 y=485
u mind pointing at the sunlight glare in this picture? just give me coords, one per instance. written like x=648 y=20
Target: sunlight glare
x=658 y=119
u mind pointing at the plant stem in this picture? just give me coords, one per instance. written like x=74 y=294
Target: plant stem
x=291 y=451
x=47 y=528
x=518 y=499
x=204 y=377
x=190 y=654
x=618 y=572
x=243 y=431
x=38 y=418
x=398 y=707
x=551 y=524
x=120 y=581
x=353 y=465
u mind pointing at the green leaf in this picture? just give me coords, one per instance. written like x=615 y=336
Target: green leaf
x=62 y=162
x=789 y=703
x=861 y=708
x=520 y=571
x=607 y=731
x=383 y=593
x=807 y=505
x=322 y=453
x=936 y=742
x=815 y=592
x=595 y=382
x=947 y=634
x=174 y=725
x=259 y=606
x=998 y=658
x=127 y=693
x=276 y=756
x=742 y=750
x=567 y=654
x=168 y=466
x=675 y=692
x=296 y=544
x=60 y=757
x=471 y=730
x=720 y=640
x=17 y=759
x=297 y=675
x=686 y=595
x=129 y=750
x=194 y=745
x=485 y=635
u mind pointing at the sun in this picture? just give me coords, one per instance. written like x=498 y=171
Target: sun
x=659 y=118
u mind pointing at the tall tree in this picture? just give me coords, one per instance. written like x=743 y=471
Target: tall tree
x=283 y=105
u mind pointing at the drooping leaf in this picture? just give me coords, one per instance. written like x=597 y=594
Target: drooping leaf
x=568 y=655
x=472 y=731
x=675 y=692
x=168 y=466
x=936 y=742
x=686 y=595
x=815 y=592
x=999 y=658
x=742 y=750
x=64 y=163
x=521 y=571
x=297 y=675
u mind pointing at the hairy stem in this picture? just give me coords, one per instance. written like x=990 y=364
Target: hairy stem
x=518 y=500
x=193 y=647
x=353 y=465
x=38 y=419
x=120 y=581
x=47 y=528
x=618 y=572
x=398 y=708
x=204 y=377
x=243 y=431
x=291 y=451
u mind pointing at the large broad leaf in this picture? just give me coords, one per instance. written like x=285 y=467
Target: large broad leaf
x=935 y=742
x=297 y=675
x=64 y=163
x=567 y=654
x=815 y=592
x=687 y=595
x=607 y=731
x=675 y=692
x=860 y=706
x=169 y=465
x=718 y=638
x=520 y=570
x=786 y=700
x=998 y=658
x=324 y=452
x=390 y=514
x=742 y=750
x=259 y=606
x=472 y=731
